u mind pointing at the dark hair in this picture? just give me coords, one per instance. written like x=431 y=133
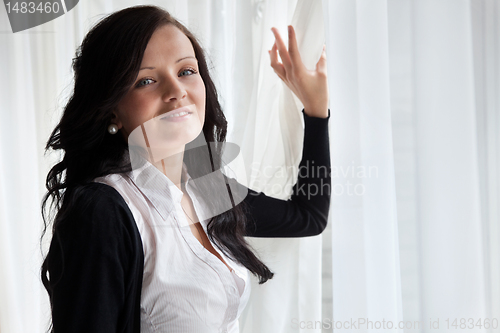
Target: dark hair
x=113 y=49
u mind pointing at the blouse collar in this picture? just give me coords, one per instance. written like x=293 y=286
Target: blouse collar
x=158 y=188
x=209 y=193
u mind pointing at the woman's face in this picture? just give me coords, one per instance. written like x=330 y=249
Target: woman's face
x=168 y=80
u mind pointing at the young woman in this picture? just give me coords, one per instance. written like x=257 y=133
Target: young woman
x=139 y=247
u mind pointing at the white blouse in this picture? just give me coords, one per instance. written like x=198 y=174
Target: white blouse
x=185 y=287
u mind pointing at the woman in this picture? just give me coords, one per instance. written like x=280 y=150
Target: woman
x=137 y=243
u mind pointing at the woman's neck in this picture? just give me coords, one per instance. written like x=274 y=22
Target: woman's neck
x=172 y=168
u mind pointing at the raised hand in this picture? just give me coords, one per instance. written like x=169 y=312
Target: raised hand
x=310 y=86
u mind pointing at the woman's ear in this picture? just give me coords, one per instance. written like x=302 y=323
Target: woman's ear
x=115 y=119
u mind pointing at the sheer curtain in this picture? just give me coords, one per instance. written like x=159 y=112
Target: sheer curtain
x=415 y=145
x=445 y=113
x=448 y=200
x=365 y=249
x=415 y=84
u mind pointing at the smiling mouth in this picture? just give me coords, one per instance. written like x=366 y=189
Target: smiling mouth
x=180 y=112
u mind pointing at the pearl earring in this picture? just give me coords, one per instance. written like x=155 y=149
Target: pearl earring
x=112 y=129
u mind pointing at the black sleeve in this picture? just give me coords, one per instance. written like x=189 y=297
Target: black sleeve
x=95 y=265
x=306 y=212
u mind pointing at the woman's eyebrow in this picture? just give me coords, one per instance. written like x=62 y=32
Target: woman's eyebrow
x=185 y=58
x=175 y=62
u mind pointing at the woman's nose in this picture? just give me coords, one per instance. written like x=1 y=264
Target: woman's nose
x=173 y=90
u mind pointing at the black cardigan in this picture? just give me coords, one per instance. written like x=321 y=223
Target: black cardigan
x=100 y=289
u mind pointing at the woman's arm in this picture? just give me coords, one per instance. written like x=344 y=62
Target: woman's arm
x=306 y=212
x=95 y=265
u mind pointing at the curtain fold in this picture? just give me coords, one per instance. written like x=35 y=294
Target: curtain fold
x=448 y=188
x=19 y=186
x=486 y=45
x=444 y=88
x=366 y=280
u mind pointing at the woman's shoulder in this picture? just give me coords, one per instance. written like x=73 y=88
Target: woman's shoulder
x=98 y=206
x=121 y=183
x=97 y=194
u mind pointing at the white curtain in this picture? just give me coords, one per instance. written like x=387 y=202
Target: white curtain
x=486 y=45
x=447 y=114
x=414 y=228
x=365 y=268
x=435 y=66
x=448 y=201
x=445 y=118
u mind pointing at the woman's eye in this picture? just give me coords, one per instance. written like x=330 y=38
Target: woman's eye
x=189 y=70
x=139 y=84
x=144 y=82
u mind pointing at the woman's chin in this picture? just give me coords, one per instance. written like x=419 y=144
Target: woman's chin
x=172 y=145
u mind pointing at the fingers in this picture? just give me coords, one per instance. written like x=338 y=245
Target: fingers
x=278 y=68
x=285 y=58
x=321 y=65
x=292 y=65
x=293 y=48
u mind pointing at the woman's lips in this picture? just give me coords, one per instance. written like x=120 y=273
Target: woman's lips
x=177 y=115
